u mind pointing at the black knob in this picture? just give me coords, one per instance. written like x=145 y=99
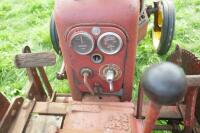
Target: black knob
x=164 y=83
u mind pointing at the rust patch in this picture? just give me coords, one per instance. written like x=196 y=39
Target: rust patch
x=117 y=124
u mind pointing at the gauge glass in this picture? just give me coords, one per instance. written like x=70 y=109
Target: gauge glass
x=110 y=43
x=82 y=43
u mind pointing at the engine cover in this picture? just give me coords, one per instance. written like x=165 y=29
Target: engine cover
x=92 y=19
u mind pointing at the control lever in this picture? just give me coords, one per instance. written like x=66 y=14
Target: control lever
x=164 y=84
x=110 y=76
x=86 y=73
x=61 y=75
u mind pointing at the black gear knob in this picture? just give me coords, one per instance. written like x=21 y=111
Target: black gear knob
x=164 y=83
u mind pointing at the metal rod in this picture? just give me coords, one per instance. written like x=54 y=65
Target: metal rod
x=140 y=102
x=85 y=80
x=111 y=85
x=193 y=80
x=61 y=75
x=110 y=76
x=189 y=119
x=152 y=116
x=163 y=127
x=45 y=81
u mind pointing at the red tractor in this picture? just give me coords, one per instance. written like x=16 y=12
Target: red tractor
x=98 y=41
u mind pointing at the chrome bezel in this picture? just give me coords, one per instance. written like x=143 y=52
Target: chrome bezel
x=87 y=35
x=101 y=58
x=105 y=51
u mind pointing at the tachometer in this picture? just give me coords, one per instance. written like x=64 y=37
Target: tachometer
x=110 y=43
x=82 y=43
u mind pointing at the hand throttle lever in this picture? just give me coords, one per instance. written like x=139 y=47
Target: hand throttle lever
x=86 y=73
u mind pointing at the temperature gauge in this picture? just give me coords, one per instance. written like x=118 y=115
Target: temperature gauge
x=110 y=43
x=82 y=43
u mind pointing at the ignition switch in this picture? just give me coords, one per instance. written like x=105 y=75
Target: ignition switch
x=110 y=73
x=110 y=76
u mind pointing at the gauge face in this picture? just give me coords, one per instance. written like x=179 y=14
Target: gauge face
x=82 y=43
x=110 y=43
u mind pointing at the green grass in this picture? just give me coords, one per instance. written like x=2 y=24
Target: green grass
x=22 y=23
x=26 y=22
x=187 y=35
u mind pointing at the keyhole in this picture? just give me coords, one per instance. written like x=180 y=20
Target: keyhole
x=97 y=58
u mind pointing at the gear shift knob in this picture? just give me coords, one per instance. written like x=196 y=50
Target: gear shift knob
x=164 y=83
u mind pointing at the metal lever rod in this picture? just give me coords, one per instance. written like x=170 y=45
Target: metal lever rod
x=111 y=85
x=110 y=75
x=152 y=116
x=193 y=80
x=86 y=83
x=61 y=75
x=164 y=84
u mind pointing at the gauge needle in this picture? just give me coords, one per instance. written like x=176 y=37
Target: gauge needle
x=81 y=39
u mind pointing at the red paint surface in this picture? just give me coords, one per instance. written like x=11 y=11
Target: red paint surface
x=76 y=62
x=113 y=15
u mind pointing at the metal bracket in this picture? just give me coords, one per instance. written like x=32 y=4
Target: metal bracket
x=10 y=114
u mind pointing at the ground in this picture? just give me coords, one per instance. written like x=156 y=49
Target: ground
x=26 y=22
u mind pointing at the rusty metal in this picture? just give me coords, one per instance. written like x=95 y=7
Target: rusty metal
x=152 y=116
x=86 y=74
x=77 y=116
x=172 y=125
x=53 y=97
x=193 y=80
x=48 y=123
x=61 y=75
x=184 y=59
x=165 y=127
x=167 y=112
x=191 y=66
x=86 y=108
x=140 y=103
x=143 y=24
x=190 y=101
x=10 y=115
x=114 y=117
x=45 y=81
x=4 y=104
x=198 y=108
x=20 y=122
x=188 y=61
x=197 y=128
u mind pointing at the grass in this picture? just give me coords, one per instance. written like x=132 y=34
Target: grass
x=26 y=22
x=22 y=23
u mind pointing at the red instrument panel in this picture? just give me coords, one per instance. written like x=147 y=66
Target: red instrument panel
x=77 y=61
x=82 y=45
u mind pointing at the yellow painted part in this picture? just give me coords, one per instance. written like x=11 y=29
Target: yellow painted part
x=157 y=34
x=160 y=18
x=156 y=38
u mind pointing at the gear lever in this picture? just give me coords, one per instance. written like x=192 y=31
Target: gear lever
x=164 y=84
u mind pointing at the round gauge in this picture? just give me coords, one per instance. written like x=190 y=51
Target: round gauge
x=110 y=43
x=82 y=43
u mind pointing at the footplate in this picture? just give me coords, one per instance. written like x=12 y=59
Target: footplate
x=102 y=115
x=94 y=117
